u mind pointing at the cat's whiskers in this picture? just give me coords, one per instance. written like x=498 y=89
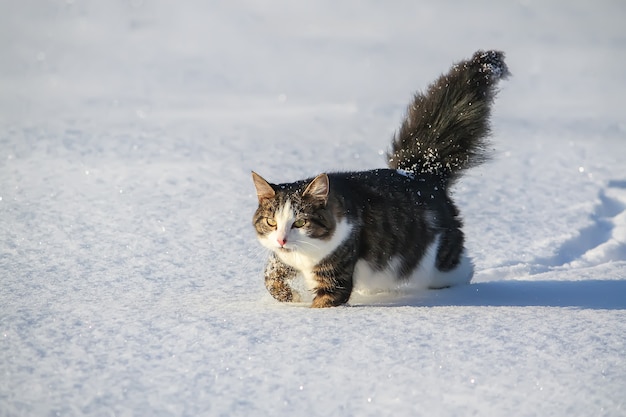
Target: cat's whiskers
x=308 y=243
x=257 y=256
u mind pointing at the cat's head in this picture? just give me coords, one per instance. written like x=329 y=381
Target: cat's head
x=294 y=217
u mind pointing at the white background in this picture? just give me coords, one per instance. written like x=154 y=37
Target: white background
x=130 y=275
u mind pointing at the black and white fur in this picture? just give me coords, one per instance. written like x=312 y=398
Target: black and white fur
x=375 y=230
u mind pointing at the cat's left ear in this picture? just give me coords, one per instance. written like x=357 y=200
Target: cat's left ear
x=318 y=188
x=264 y=190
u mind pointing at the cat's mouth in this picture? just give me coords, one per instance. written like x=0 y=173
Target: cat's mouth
x=284 y=249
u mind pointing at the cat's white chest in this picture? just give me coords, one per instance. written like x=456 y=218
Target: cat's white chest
x=304 y=253
x=302 y=263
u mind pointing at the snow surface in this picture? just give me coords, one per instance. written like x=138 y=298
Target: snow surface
x=130 y=273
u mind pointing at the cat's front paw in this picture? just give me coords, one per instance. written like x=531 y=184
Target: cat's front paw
x=295 y=297
x=321 y=303
x=281 y=291
x=329 y=300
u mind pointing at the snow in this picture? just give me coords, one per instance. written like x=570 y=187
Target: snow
x=130 y=273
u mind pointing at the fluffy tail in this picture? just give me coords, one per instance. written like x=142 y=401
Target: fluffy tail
x=446 y=128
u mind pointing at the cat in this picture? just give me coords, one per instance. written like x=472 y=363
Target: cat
x=376 y=230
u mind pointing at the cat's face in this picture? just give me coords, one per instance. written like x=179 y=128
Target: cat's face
x=294 y=218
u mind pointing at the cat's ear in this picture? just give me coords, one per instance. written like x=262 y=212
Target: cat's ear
x=318 y=188
x=264 y=190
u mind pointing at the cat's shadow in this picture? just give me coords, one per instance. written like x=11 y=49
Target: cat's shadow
x=587 y=294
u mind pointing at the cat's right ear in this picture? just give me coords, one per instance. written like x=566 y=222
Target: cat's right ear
x=264 y=190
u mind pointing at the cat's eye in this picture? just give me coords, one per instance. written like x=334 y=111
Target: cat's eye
x=270 y=222
x=299 y=223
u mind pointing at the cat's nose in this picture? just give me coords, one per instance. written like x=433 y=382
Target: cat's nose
x=282 y=241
